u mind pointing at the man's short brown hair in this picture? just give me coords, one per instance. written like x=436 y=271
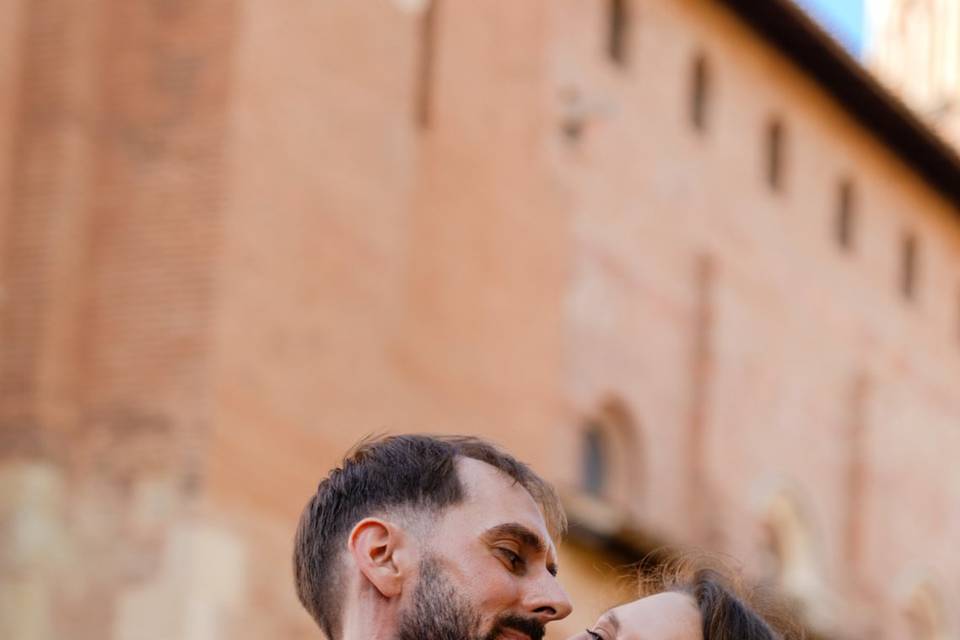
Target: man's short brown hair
x=388 y=473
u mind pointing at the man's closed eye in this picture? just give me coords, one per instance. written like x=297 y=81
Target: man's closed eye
x=514 y=561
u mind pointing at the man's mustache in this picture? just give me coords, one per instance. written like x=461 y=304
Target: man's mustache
x=530 y=626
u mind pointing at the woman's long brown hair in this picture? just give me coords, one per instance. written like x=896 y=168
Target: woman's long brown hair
x=728 y=610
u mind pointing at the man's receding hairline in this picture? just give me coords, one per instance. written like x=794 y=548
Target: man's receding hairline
x=461 y=458
x=541 y=492
x=413 y=511
x=554 y=536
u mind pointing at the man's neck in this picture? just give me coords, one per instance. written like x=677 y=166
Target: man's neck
x=369 y=620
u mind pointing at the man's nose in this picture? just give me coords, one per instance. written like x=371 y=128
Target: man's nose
x=547 y=601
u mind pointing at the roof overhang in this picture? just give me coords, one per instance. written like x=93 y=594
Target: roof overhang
x=784 y=25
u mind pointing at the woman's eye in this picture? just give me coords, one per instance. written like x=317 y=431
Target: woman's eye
x=594 y=635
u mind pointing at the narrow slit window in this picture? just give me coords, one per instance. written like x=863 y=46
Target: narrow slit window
x=618 y=31
x=423 y=94
x=846 y=216
x=594 y=463
x=700 y=93
x=775 y=143
x=908 y=266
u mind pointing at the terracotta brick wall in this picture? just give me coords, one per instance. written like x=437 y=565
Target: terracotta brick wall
x=111 y=232
x=231 y=245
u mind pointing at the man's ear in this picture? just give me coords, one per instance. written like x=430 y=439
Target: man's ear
x=382 y=552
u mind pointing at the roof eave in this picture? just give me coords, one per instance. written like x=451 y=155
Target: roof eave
x=784 y=25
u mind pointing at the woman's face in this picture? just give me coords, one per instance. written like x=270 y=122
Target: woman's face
x=665 y=616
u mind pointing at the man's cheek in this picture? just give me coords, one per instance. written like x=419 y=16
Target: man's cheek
x=500 y=593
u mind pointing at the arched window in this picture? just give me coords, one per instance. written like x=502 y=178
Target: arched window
x=774 y=153
x=595 y=463
x=618 y=31
x=700 y=92
x=611 y=460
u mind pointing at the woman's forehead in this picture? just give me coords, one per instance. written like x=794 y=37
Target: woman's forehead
x=671 y=615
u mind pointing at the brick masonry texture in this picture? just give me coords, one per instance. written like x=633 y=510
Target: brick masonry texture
x=236 y=236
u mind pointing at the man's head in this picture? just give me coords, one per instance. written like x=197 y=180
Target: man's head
x=431 y=536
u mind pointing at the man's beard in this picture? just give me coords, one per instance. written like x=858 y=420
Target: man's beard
x=438 y=612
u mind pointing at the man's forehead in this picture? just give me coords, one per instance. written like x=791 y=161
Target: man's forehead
x=497 y=502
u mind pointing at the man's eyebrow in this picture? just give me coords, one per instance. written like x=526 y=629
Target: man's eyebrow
x=519 y=532
x=525 y=536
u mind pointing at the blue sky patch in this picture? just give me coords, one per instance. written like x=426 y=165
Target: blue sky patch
x=842 y=18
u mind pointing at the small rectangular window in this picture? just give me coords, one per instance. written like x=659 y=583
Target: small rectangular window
x=845 y=216
x=618 y=30
x=423 y=93
x=775 y=143
x=700 y=93
x=908 y=266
